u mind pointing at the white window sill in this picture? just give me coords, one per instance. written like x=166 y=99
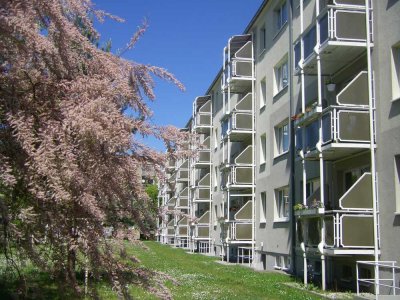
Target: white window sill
x=263 y=221
x=281 y=91
x=281 y=154
x=397 y=213
x=281 y=220
x=263 y=106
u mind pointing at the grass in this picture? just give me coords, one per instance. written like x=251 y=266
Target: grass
x=197 y=276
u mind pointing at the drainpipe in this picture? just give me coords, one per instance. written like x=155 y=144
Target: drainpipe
x=372 y=146
x=292 y=142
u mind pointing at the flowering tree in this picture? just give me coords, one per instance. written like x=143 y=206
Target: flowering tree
x=69 y=158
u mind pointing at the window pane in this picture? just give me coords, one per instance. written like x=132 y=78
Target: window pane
x=285 y=139
x=284 y=14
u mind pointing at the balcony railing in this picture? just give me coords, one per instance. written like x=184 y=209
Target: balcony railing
x=239 y=125
x=238 y=176
x=341 y=23
x=202 y=113
x=240 y=231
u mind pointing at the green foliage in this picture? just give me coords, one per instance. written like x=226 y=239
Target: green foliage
x=152 y=192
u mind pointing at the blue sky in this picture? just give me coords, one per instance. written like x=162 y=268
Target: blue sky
x=186 y=37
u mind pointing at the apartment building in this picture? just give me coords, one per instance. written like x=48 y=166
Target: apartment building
x=298 y=165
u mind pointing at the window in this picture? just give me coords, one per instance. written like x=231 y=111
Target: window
x=263 y=93
x=282 y=139
x=397 y=182
x=297 y=54
x=263 y=207
x=215 y=177
x=263 y=149
x=282 y=204
x=216 y=138
x=281 y=14
x=282 y=262
x=262 y=41
x=281 y=76
x=395 y=66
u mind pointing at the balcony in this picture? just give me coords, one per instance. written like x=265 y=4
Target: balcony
x=349 y=229
x=202 y=189
x=171 y=228
x=244 y=158
x=238 y=177
x=183 y=173
x=202 y=114
x=343 y=38
x=183 y=227
x=238 y=63
x=202 y=230
x=240 y=229
x=182 y=200
x=238 y=126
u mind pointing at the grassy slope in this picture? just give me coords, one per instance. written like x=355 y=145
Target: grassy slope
x=200 y=277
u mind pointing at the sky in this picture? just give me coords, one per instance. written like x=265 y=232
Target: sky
x=186 y=37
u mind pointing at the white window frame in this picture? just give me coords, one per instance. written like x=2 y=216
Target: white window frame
x=282 y=204
x=263 y=207
x=263 y=149
x=397 y=182
x=215 y=177
x=281 y=131
x=216 y=141
x=263 y=92
x=281 y=75
x=280 y=12
x=262 y=39
x=395 y=71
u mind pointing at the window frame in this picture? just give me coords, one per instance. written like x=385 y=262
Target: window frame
x=279 y=138
x=281 y=15
x=262 y=32
x=397 y=183
x=395 y=71
x=263 y=92
x=263 y=149
x=263 y=207
x=281 y=75
x=282 y=204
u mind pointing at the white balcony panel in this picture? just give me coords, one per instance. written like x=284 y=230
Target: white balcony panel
x=205 y=218
x=242 y=175
x=245 y=157
x=245 y=104
x=246 y=212
x=241 y=231
x=203 y=232
x=205 y=180
x=206 y=107
x=355 y=92
x=357 y=231
x=203 y=194
x=359 y=196
x=245 y=52
x=242 y=69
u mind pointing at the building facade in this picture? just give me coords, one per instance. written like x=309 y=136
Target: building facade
x=298 y=152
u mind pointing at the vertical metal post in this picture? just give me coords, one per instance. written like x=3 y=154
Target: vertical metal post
x=372 y=145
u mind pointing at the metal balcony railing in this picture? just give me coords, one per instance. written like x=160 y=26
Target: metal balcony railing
x=238 y=122
x=239 y=176
x=240 y=231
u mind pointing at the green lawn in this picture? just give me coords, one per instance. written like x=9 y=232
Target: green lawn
x=201 y=277
x=197 y=277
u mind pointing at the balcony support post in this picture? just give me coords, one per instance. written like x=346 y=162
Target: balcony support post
x=372 y=144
